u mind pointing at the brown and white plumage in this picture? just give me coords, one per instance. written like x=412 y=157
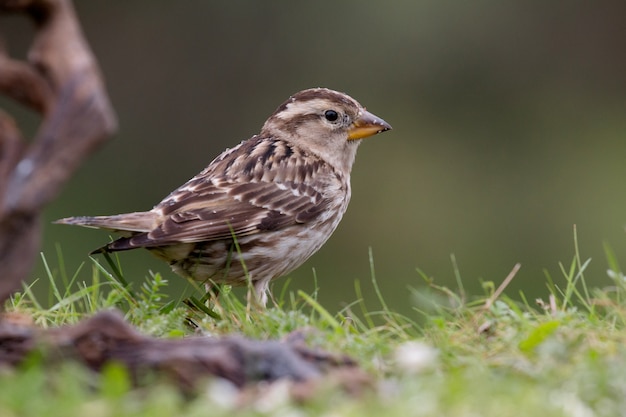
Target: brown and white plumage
x=278 y=195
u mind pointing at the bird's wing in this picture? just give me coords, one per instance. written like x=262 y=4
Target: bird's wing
x=260 y=185
x=220 y=209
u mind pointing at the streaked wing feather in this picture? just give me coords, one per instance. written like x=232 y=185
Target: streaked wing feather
x=261 y=185
x=241 y=211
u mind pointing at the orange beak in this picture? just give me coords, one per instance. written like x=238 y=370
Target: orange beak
x=367 y=125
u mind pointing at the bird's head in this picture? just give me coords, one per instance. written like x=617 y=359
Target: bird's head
x=325 y=122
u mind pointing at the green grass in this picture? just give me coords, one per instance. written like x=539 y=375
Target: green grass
x=488 y=355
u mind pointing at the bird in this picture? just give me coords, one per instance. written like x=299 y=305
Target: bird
x=260 y=209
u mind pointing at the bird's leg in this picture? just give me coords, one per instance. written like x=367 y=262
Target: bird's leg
x=261 y=288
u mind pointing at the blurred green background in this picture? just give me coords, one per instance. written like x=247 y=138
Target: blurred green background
x=509 y=128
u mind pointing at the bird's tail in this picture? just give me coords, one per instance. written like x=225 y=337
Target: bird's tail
x=125 y=224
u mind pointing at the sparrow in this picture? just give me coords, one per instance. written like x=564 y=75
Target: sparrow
x=262 y=208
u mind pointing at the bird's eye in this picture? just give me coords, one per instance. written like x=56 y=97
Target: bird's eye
x=331 y=115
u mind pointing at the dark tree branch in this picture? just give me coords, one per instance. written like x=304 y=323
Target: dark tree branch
x=61 y=81
x=22 y=83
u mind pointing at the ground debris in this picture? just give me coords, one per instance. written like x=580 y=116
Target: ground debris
x=106 y=338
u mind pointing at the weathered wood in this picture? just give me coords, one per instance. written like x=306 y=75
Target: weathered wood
x=61 y=81
x=106 y=338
